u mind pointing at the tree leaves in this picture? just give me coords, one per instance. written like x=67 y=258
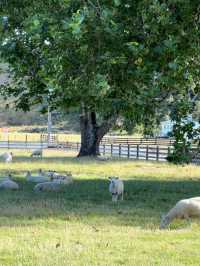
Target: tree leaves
x=110 y=55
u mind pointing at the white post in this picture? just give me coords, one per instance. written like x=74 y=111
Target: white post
x=49 y=126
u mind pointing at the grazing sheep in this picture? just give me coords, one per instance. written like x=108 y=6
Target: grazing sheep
x=37 y=152
x=7 y=183
x=48 y=186
x=116 y=188
x=7 y=156
x=183 y=210
x=36 y=178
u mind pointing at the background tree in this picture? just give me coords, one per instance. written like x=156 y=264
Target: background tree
x=108 y=58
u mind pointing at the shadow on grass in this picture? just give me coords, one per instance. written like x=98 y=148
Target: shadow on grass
x=74 y=159
x=89 y=201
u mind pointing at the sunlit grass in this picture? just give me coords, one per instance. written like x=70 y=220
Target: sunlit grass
x=81 y=226
x=20 y=136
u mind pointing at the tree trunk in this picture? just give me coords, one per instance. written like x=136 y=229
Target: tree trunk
x=91 y=133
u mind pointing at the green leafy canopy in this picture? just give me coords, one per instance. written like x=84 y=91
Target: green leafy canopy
x=115 y=57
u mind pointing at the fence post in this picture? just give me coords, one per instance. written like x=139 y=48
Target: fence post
x=138 y=147
x=26 y=140
x=111 y=149
x=168 y=151
x=157 y=153
x=147 y=152
x=120 y=150
x=8 y=142
x=41 y=144
x=128 y=151
x=104 y=149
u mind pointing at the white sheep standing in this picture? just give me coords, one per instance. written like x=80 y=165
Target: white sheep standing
x=8 y=157
x=36 y=178
x=184 y=209
x=116 y=188
x=7 y=183
x=37 y=152
x=48 y=186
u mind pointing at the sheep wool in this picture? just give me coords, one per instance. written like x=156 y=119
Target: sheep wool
x=8 y=157
x=48 y=186
x=37 y=152
x=36 y=178
x=7 y=183
x=116 y=188
x=184 y=209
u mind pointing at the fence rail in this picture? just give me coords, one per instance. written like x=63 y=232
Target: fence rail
x=139 y=152
x=138 y=141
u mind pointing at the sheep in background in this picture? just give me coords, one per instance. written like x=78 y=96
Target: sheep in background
x=182 y=210
x=8 y=157
x=116 y=188
x=36 y=178
x=7 y=183
x=37 y=152
x=48 y=186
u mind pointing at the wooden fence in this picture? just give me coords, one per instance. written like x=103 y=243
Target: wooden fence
x=139 y=152
x=138 y=141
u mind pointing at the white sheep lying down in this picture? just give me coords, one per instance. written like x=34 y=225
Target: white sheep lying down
x=63 y=179
x=36 y=178
x=8 y=183
x=7 y=156
x=56 y=183
x=184 y=209
x=49 y=186
x=116 y=188
x=37 y=152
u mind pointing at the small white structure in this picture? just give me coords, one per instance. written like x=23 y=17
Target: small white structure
x=116 y=188
x=7 y=183
x=166 y=126
x=182 y=210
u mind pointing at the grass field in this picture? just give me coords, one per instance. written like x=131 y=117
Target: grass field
x=19 y=136
x=81 y=226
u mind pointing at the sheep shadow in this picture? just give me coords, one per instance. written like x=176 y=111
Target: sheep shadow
x=88 y=200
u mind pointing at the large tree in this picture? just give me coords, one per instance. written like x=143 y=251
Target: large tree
x=109 y=58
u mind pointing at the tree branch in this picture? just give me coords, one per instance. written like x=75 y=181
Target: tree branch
x=106 y=125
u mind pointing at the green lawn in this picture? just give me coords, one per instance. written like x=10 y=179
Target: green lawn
x=81 y=226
